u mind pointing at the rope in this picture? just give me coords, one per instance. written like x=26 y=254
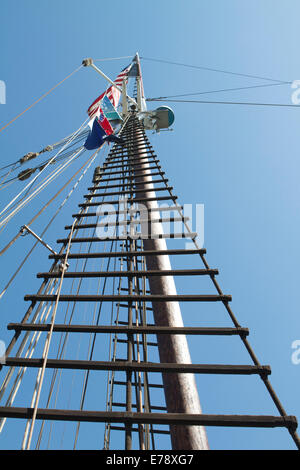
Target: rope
x=38 y=190
x=66 y=335
x=252 y=355
x=219 y=91
x=32 y=191
x=28 y=354
x=63 y=347
x=213 y=70
x=41 y=165
x=35 y=193
x=114 y=58
x=88 y=162
x=39 y=99
x=231 y=102
x=6 y=175
x=60 y=354
x=49 y=148
x=35 y=177
x=92 y=347
x=92 y=342
x=36 y=396
x=63 y=343
x=42 y=209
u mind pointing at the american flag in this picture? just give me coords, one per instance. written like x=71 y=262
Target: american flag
x=112 y=93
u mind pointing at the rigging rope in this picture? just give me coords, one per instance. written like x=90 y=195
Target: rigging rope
x=88 y=163
x=40 y=378
x=218 y=91
x=92 y=347
x=40 y=98
x=244 y=103
x=213 y=69
x=92 y=341
x=114 y=58
x=29 y=156
x=74 y=135
x=62 y=347
x=40 y=186
x=39 y=189
x=44 y=207
x=28 y=354
x=61 y=351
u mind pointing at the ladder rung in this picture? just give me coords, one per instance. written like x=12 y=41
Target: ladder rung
x=127 y=177
x=133 y=429
x=136 y=384
x=172 y=272
x=137 y=236
x=125 y=289
x=127 y=160
x=129 y=254
x=98 y=213
x=127 y=148
x=129 y=330
x=121 y=185
x=129 y=201
x=129 y=222
x=153 y=407
x=263 y=371
x=137 y=261
x=125 y=341
x=260 y=421
x=150 y=309
x=130 y=155
x=124 y=172
x=126 y=163
x=120 y=154
x=126 y=323
x=127 y=191
x=128 y=298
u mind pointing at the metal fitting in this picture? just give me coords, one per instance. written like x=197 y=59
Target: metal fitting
x=87 y=62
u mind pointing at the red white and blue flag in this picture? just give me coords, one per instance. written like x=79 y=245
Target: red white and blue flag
x=101 y=132
x=112 y=93
x=105 y=124
x=100 y=128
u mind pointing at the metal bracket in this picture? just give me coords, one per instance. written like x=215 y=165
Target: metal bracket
x=89 y=62
x=25 y=229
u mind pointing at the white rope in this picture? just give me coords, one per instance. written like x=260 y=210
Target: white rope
x=113 y=58
x=6 y=175
x=40 y=378
x=46 y=228
x=49 y=162
x=28 y=354
x=37 y=185
x=40 y=188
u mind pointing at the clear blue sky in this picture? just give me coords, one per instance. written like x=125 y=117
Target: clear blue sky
x=241 y=162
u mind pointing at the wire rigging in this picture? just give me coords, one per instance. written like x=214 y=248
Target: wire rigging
x=82 y=135
x=39 y=99
x=88 y=163
x=35 y=177
x=61 y=157
x=61 y=352
x=218 y=91
x=113 y=58
x=243 y=103
x=214 y=70
x=38 y=190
